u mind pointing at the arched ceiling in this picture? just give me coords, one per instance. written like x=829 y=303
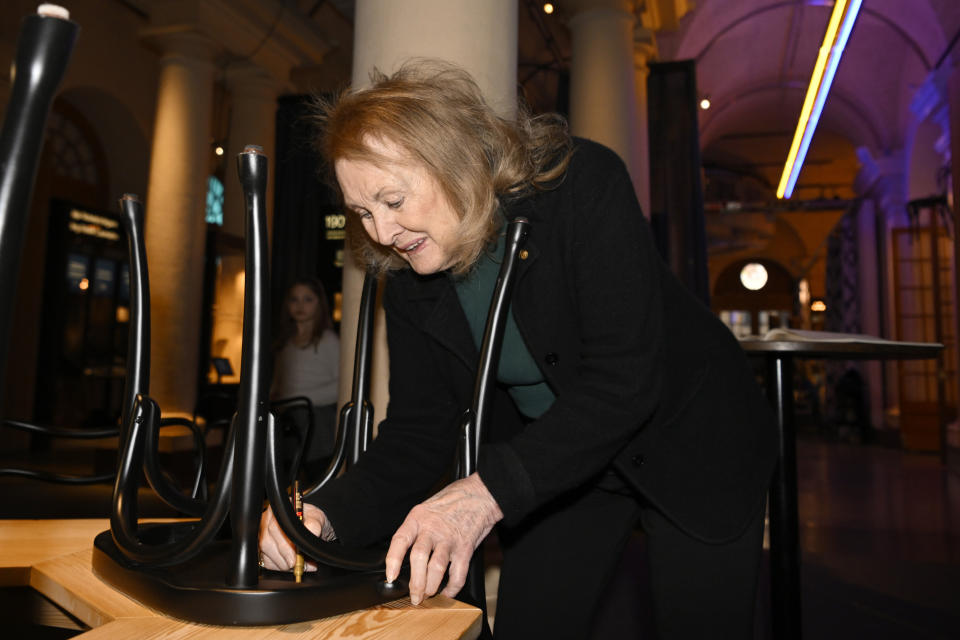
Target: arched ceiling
x=754 y=59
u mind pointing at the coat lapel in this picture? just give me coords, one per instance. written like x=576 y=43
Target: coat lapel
x=439 y=308
x=442 y=316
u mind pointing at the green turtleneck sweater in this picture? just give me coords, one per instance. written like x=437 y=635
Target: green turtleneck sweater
x=517 y=369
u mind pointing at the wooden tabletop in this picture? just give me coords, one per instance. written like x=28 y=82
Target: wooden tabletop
x=53 y=557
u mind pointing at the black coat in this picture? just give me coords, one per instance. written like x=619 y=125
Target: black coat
x=650 y=385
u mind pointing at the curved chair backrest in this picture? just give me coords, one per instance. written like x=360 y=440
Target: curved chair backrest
x=137 y=384
x=355 y=426
x=44 y=47
x=43 y=52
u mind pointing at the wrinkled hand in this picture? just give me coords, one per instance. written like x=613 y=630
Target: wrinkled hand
x=442 y=531
x=277 y=552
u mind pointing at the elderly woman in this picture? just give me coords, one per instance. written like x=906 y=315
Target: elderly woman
x=621 y=399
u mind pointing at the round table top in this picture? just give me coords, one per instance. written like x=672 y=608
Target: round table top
x=852 y=349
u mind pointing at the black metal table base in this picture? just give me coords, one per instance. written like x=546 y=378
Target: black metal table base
x=784 y=519
x=195 y=590
x=786 y=610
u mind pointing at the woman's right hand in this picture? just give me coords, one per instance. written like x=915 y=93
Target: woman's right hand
x=277 y=553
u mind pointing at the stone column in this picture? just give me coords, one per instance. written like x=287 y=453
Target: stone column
x=479 y=36
x=253 y=118
x=603 y=99
x=882 y=181
x=870 y=264
x=175 y=207
x=953 y=100
x=644 y=50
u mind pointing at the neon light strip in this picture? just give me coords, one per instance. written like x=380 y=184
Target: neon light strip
x=834 y=41
x=804 y=132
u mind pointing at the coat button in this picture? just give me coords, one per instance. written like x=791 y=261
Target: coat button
x=524 y=254
x=551 y=359
x=638 y=460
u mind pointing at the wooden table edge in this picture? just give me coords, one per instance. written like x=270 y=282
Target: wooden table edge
x=39 y=573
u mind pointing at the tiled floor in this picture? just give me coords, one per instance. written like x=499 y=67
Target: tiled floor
x=879 y=528
x=880 y=537
x=880 y=540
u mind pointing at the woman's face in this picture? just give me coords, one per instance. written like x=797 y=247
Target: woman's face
x=402 y=207
x=302 y=303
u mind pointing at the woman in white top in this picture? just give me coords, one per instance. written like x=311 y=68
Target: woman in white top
x=307 y=364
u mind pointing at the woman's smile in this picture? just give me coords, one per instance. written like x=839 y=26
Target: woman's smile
x=401 y=206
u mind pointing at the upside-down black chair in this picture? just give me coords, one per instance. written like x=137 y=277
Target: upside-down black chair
x=44 y=48
x=202 y=570
x=190 y=570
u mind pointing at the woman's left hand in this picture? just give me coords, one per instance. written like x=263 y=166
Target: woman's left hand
x=444 y=530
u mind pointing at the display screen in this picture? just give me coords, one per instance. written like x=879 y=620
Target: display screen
x=104 y=278
x=77 y=266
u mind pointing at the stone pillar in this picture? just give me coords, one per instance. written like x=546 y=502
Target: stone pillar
x=953 y=101
x=883 y=183
x=175 y=207
x=644 y=50
x=603 y=99
x=480 y=37
x=870 y=264
x=253 y=120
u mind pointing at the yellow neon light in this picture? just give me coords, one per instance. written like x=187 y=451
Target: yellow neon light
x=812 y=90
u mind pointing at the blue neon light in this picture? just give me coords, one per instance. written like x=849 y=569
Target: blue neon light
x=833 y=62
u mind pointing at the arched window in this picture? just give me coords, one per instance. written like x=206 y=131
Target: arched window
x=74 y=155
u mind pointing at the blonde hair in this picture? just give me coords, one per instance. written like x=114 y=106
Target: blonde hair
x=434 y=111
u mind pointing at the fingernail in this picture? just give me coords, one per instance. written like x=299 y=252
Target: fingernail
x=415 y=600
